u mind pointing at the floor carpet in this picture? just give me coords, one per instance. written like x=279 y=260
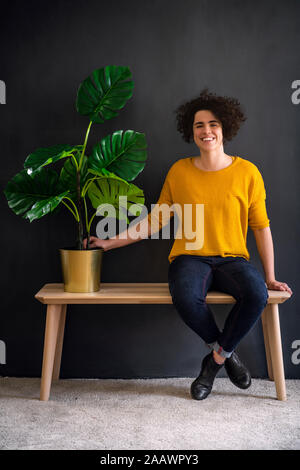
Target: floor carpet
x=147 y=414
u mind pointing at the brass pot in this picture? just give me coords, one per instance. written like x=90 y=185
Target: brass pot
x=81 y=269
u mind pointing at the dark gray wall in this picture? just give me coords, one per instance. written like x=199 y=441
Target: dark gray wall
x=247 y=49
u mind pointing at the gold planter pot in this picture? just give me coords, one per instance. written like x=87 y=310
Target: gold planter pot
x=81 y=269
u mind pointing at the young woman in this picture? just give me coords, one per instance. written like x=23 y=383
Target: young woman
x=232 y=192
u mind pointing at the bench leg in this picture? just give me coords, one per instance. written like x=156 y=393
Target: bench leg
x=54 y=313
x=264 y=321
x=274 y=339
x=59 y=344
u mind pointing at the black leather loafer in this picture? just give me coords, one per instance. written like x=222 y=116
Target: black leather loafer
x=202 y=386
x=237 y=371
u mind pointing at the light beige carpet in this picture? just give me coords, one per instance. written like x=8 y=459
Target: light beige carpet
x=147 y=414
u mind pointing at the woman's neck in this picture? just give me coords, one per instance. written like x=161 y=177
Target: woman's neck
x=213 y=161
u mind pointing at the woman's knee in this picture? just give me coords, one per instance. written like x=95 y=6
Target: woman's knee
x=256 y=294
x=186 y=295
x=189 y=281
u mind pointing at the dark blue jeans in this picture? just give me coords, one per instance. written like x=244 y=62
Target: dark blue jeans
x=191 y=277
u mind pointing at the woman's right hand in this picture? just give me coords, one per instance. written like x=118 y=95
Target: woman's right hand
x=96 y=243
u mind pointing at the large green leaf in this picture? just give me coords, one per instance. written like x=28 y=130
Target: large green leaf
x=104 y=92
x=47 y=155
x=33 y=196
x=107 y=190
x=123 y=153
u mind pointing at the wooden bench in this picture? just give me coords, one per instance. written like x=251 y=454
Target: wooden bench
x=56 y=299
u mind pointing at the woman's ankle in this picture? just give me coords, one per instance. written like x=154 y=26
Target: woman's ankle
x=217 y=358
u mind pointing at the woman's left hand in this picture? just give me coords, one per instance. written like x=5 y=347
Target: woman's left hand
x=276 y=285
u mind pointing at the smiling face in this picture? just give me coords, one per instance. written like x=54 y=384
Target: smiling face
x=207 y=131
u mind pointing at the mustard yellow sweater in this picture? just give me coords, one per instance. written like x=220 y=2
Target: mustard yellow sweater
x=213 y=208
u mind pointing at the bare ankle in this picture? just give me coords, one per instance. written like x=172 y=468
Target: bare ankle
x=219 y=359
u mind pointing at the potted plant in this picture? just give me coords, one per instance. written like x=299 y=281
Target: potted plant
x=80 y=182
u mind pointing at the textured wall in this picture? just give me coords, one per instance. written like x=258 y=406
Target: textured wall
x=244 y=49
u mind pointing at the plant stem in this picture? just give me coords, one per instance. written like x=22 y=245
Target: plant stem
x=86 y=186
x=76 y=216
x=80 y=226
x=89 y=230
x=86 y=224
x=79 y=200
x=90 y=222
x=84 y=145
x=75 y=161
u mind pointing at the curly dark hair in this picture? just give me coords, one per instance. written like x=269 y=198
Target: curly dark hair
x=227 y=110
